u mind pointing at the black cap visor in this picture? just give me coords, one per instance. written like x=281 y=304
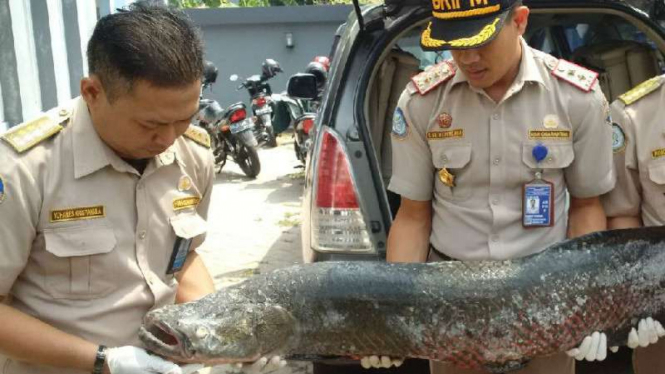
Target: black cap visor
x=462 y=33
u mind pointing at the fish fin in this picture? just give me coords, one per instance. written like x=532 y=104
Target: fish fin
x=506 y=367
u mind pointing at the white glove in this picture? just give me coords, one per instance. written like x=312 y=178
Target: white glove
x=262 y=365
x=191 y=368
x=133 y=360
x=648 y=331
x=380 y=362
x=593 y=348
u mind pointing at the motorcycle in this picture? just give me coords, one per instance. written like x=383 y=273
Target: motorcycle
x=231 y=133
x=262 y=105
x=299 y=112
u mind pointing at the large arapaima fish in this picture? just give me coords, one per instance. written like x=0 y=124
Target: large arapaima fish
x=495 y=315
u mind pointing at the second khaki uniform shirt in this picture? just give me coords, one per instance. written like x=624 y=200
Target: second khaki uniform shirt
x=488 y=147
x=86 y=239
x=639 y=154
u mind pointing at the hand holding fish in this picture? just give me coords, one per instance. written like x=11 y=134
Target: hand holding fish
x=134 y=360
x=594 y=346
x=648 y=331
x=379 y=362
x=262 y=365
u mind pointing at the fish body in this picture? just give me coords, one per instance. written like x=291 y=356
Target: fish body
x=491 y=314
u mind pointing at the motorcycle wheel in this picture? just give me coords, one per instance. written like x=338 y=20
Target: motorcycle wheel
x=272 y=139
x=248 y=160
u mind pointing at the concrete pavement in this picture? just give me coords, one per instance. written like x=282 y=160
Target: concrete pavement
x=254 y=225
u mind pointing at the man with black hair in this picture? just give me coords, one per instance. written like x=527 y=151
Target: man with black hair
x=103 y=204
x=478 y=138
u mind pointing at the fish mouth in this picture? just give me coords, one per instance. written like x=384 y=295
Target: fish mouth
x=162 y=339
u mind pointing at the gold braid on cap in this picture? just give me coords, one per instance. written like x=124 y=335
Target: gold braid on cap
x=467 y=13
x=484 y=34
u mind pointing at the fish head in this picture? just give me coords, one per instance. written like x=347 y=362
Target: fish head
x=233 y=333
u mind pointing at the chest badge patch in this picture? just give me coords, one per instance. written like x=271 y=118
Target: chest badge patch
x=185 y=183
x=658 y=153
x=2 y=190
x=78 y=214
x=551 y=121
x=445 y=120
x=186 y=202
x=618 y=138
x=400 y=127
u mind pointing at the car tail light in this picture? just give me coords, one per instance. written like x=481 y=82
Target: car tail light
x=259 y=101
x=337 y=222
x=238 y=115
x=307 y=125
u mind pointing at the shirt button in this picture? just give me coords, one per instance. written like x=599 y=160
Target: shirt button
x=444 y=159
x=140 y=186
x=497 y=161
x=495 y=238
x=495 y=117
x=495 y=202
x=142 y=235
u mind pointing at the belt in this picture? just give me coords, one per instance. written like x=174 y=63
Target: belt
x=441 y=255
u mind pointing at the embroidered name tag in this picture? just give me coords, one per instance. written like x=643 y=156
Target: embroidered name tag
x=186 y=202
x=549 y=134
x=457 y=133
x=658 y=153
x=76 y=214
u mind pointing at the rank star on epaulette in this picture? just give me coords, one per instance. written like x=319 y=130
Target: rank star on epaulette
x=576 y=75
x=641 y=90
x=433 y=77
x=198 y=135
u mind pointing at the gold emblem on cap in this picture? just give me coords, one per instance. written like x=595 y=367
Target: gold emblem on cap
x=184 y=184
x=445 y=120
x=446 y=177
x=551 y=121
x=485 y=34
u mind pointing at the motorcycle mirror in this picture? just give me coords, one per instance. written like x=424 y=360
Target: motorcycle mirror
x=302 y=86
x=233 y=78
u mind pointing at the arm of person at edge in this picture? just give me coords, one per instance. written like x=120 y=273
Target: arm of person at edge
x=408 y=241
x=25 y=338
x=587 y=216
x=194 y=280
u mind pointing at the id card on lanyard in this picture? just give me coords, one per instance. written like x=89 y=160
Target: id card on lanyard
x=537 y=196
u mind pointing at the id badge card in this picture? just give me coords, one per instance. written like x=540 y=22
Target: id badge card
x=179 y=255
x=537 y=204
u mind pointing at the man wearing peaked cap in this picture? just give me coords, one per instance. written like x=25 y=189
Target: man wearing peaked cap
x=463 y=24
x=487 y=146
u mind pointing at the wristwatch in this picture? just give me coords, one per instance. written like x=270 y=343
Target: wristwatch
x=100 y=359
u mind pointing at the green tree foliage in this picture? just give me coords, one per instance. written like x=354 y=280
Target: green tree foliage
x=259 y=3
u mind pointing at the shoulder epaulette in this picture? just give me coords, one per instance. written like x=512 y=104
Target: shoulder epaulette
x=198 y=135
x=433 y=76
x=580 y=77
x=28 y=134
x=641 y=90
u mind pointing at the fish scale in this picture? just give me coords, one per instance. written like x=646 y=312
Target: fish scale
x=495 y=315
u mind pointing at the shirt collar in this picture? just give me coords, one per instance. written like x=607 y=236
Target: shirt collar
x=92 y=154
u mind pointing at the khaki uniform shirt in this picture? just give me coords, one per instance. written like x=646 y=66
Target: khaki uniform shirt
x=639 y=154
x=86 y=239
x=488 y=147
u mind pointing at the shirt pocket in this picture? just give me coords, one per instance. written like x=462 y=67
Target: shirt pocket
x=79 y=266
x=455 y=158
x=559 y=156
x=654 y=187
x=188 y=226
